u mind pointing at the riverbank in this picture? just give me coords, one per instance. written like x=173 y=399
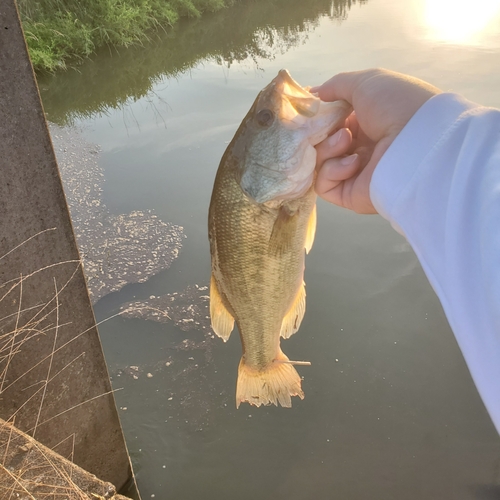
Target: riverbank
x=60 y=35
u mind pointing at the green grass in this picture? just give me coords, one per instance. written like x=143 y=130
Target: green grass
x=59 y=33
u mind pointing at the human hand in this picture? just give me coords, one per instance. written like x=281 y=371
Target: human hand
x=383 y=102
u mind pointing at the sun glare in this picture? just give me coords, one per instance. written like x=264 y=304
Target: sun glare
x=461 y=21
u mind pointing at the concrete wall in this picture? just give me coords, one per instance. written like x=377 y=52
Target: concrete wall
x=53 y=377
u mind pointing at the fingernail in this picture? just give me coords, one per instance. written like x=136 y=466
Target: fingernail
x=335 y=138
x=348 y=160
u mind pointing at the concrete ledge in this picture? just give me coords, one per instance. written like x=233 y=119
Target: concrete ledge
x=30 y=470
x=53 y=376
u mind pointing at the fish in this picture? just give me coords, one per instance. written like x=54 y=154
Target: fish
x=261 y=222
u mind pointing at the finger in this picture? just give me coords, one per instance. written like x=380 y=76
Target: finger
x=341 y=86
x=332 y=174
x=333 y=146
x=352 y=124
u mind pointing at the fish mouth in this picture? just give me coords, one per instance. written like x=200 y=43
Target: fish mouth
x=289 y=86
x=296 y=100
x=298 y=106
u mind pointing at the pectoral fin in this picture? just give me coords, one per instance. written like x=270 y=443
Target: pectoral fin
x=293 y=318
x=222 y=321
x=284 y=231
x=311 y=230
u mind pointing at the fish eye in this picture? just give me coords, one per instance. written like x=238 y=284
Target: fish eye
x=265 y=117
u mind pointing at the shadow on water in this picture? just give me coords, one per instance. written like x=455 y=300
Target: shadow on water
x=486 y=492
x=251 y=29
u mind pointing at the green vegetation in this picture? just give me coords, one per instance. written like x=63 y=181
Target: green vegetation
x=61 y=32
x=248 y=31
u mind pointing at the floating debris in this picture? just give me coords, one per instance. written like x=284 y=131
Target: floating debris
x=188 y=309
x=131 y=371
x=130 y=248
x=190 y=392
x=115 y=249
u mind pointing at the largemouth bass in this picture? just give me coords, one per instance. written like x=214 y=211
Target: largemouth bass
x=262 y=220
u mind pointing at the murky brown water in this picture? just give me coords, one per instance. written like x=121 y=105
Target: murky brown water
x=390 y=410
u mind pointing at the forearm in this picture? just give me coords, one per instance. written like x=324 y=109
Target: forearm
x=439 y=184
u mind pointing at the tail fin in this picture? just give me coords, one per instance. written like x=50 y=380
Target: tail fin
x=277 y=383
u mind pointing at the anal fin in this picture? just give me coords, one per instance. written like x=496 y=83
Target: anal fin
x=311 y=230
x=293 y=318
x=221 y=319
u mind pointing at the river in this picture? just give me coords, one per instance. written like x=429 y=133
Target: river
x=390 y=410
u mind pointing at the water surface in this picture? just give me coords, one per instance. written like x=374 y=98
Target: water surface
x=390 y=410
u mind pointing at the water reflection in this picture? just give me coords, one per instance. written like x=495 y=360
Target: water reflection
x=460 y=21
x=250 y=30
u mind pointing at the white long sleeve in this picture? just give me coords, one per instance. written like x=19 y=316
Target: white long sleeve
x=439 y=184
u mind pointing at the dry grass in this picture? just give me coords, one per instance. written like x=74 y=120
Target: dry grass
x=29 y=470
